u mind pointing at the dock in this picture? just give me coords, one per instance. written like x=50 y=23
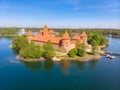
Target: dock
x=113 y=53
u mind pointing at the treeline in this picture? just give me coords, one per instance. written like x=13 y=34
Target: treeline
x=105 y=32
x=8 y=31
x=13 y=31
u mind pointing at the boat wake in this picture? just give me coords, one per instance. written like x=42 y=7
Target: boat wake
x=13 y=60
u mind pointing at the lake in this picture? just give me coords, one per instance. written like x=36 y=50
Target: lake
x=102 y=74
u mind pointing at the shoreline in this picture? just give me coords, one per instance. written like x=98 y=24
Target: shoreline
x=85 y=58
x=8 y=35
x=32 y=60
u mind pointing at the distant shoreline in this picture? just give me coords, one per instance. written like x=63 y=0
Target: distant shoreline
x=8 y=35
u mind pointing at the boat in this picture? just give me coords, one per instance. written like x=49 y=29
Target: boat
x=10 y=45
x=109 y=56
x=112 y=57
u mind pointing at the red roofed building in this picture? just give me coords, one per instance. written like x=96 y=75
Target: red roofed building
x=83 y=37
x=64 y=42
x=29 y=36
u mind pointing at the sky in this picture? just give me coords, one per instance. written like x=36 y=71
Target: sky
x=60 y=13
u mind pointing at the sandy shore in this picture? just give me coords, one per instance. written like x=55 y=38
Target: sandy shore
x=32 y=60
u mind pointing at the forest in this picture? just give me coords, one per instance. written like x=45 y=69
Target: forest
x=105 y=32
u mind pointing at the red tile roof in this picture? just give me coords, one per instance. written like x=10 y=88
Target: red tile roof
x=51 y=31
x=55 y=40
x=83 y=34
x=66 y=35
x=77 y=37
x=29 y=33
x=46 y=27
x=41 y=31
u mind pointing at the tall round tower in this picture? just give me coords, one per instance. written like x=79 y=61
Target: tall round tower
x=66 y=41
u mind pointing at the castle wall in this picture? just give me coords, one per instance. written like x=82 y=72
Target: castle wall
x=29 y=38
x=72 y=46
x=38 y=43
x=56 y=46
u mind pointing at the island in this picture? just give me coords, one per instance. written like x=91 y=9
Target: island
x=47 y=44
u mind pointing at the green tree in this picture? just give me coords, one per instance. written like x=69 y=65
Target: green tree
x=96 y=37
x=100 y=39
x=81 y=49
x=24 y=41
x=73 y=52
x=90 y=38
x=95 y=48
x=49 y=51
x=31 y=51
x=103 y=40
x=19 y=42
x=16 y=43
x=81 y=52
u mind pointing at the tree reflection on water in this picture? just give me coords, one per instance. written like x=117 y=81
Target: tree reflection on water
x=80 y=65
x=93 y=64
x=34 y=66
x=48 y=65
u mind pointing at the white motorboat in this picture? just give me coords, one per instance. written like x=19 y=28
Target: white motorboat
x=109 y=56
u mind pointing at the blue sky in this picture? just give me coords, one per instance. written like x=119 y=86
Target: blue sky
x=60 y=13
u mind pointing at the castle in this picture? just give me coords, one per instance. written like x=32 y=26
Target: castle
x=64 y=42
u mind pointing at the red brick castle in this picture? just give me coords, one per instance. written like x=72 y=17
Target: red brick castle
x=64 y=42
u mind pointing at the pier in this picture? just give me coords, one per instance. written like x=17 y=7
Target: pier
x=113 y=53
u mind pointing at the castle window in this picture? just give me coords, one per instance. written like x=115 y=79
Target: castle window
x=42 y=33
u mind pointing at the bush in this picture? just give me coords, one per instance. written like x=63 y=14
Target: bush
x=103 y=40
x=31 y=51
x=73 y=52
x=81 y=52
x=48 y=54
x=49 y=51
x=100 y=39
x=19 y=42
x=94 y=47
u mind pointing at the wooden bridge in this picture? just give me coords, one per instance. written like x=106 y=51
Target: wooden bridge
x=112 y=52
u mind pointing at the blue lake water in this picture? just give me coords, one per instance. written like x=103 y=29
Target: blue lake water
x=102 y=74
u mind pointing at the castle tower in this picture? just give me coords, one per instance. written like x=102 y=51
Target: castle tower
x=84 y=37
x=51 y=33
x=45 y=30
x=76 y=38
x=29 y=36
x=66 y=41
